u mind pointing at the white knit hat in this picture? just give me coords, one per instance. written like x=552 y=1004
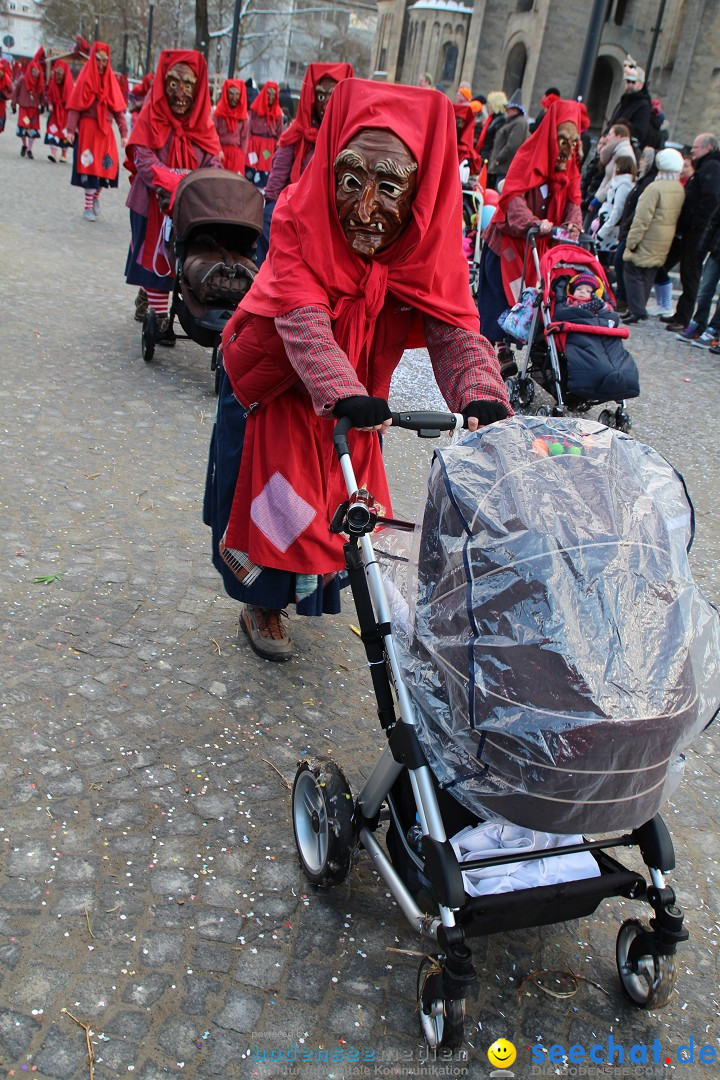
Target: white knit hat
x=669 y=160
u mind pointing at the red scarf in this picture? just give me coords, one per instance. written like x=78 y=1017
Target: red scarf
x=157 y=123
x=303 y=132
x=262 y=106
x=372 y=305
x=533 y=166
x=35 y=84
x=465 y=148
x=230 y=115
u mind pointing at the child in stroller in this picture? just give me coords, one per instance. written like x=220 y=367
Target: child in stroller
x=574 y=343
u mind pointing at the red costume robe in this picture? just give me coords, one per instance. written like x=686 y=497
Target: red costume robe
x=96 y=98
x=232 y=126
x=266 y=124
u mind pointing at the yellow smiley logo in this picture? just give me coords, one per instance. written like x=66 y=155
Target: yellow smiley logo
x=502 y=1053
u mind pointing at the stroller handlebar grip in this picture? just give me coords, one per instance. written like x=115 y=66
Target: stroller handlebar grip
x=412 y=421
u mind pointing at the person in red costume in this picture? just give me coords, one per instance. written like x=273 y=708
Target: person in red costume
x=138 y=95
x=366 y=260
x=6 y=89
x=174 y=131
x=465 y=125
x=296 y=146
x=541 y=190
x=28 y=100
x=58 y=94
x=95 y=101
x=233 y=127
x=266 y=124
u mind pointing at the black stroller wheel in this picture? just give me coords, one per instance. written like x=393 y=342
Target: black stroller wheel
x=622 y=420
x=606 y=418
x=442 y=1020
x=149 y=333
x=648 y=980
x=526 y=392
x=322 y=813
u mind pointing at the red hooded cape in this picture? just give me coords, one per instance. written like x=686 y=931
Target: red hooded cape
x=96 y=147
x=6 y=89
x=303 y=132
x=223 y=108
x=58 y=97
x=465 y=148
x=156 y=124
x=372 y=306
x=533 y=166
x=261 y=105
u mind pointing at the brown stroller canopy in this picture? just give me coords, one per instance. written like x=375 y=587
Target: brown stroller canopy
x=215 y=196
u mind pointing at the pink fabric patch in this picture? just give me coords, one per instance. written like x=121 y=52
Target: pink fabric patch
x=280 y=513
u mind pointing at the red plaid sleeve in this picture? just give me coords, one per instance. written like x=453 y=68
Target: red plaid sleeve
x=318 y=359
x=465 y=365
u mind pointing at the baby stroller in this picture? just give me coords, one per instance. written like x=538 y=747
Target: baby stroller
x=461 y=745
x=581 y=363
x=216 y=220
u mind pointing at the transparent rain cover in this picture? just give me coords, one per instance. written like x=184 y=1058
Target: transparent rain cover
x=557 y=651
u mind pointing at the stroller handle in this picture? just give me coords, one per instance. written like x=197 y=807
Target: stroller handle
x=431 y=422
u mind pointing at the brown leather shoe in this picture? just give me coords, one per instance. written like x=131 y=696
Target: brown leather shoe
x=266 y=633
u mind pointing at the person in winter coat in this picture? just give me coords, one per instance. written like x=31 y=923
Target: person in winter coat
x=635 y=108
x=496 y=102
x=508 y=141
x=702 y=196
x=28 y=101
x=620 y=187
x=652 y=232
x=614 y=145
x=703 y=331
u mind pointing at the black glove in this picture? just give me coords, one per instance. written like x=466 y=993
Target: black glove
x=485 y=412
x=363 y=411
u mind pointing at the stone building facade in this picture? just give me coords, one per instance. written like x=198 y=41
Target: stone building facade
x=533 y=44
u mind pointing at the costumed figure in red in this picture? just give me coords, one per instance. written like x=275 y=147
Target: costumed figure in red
x=28 y=101
x=541 y=191
x=233 y=127
x=296 y=145
x=95 y=101
x=124 y=86
x=174 y=132
x=59 y=89
x=266 y=124
x=467 y=155
x=138 y=95
x=6 y=89
x=366 y=260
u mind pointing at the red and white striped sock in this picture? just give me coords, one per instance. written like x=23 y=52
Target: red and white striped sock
x=88 y=200
x=158 y=301
x=96 y=195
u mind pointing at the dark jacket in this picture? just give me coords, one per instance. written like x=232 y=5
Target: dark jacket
x=710 y=240
x=636 y=108
x=493 y=127
x=631 y=203
x=702 y=196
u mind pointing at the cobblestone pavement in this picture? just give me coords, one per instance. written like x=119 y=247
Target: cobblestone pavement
x=149 y=886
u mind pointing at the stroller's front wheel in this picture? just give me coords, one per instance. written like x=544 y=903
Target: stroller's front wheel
x=647 y=979
x=442 y=1020
x=149 y=335
x=323 y=821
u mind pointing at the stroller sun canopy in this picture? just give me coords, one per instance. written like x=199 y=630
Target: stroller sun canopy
x=214 y=196
x=558 y=653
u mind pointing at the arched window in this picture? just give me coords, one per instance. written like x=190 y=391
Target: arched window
x=515 y=69
x=450 y=59
x=525 y=5
x=599 y=93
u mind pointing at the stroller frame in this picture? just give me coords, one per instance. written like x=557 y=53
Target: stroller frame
x=520 y=385
x=330 y=827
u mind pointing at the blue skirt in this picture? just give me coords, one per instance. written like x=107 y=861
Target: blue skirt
x=135 y=274
x=274 y=589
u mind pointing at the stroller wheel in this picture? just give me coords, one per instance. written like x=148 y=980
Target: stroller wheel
x=526 y=392
x=542 y=410
x=149 y=333
x=607 y=418
x=511 y=385
x=622 y=420
x=442 y=1020
x=322 y=813
x=648 y=980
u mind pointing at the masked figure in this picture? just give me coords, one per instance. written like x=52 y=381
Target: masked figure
x=541 y=190
x=59 y=89
x=28 y=101
x=95 y=101
x=465 y=127
x=366 y=260
x=6 y=89
x=266 y=124
x=173 y=132
x=233 y=127
x=296 y=146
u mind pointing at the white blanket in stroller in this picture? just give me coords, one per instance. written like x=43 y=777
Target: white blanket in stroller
x=492 y=838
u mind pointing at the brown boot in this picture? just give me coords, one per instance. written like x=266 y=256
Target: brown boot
x=141 y=305
x=266 y=633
